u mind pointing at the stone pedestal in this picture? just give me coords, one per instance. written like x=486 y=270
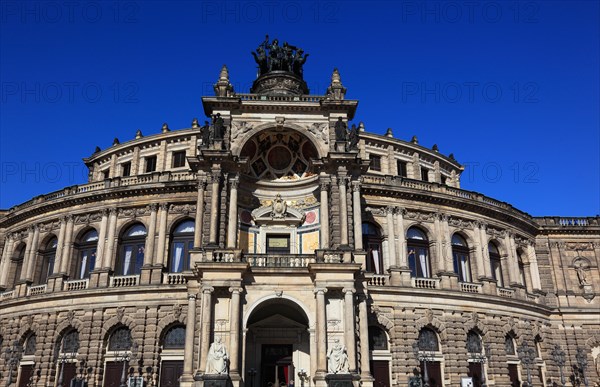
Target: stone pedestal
x=339 y=380
x=99 y=278
x=216 y=381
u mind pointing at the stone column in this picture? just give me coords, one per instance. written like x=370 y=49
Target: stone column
x=321 y=331
x=512 y=263
x=438 y=248
x=343 y=210
x=32 y=254
x=389 y=212
x=67 y=248
x=6 y=255
x=357 y=212
x=365 y=367
x=533 y=267
x=206 y=325
x=232 y=223
x=214 y=206
x=447 y=244
x=313 y=352
x=199 y=224
x=109 y=255
x=487 y=264
x=190 y=332
x=100 y=248
x=162 y=235
x=402 y=260
x=324 y=213
x=349 y=327
x=234 y=334
x=59 y=246
x=478 y=253
x=150 y=238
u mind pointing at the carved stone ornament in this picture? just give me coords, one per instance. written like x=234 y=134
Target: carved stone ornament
x=579 y=246
x=239 y=128
x=182 y=209
x=120 y=313
x=177 y=310
x=320 y=131
x=278 y=212
x=132 y=212
x=70 y=317
x=88 y=218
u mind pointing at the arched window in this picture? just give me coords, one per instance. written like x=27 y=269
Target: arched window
x=30 y=345
x=509 y=345
x=86 y=260
x=428 y=341
x=182 y=241
x=120 y=340
x=496 y=263
x=460 y=254
x=418 y=253
x=70 y=342
x=47 y=265
x=174 y=338
x=131 y=257
x=372 y=244
x=474 y=345
x=16 y=266
x=377 y=339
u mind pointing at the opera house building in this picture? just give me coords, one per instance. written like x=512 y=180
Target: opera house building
x=279 y=243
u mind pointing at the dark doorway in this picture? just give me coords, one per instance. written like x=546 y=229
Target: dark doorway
x=513 y=373
x=276 y=365
x=26 y=373
x=381 y=373
x=475 y=370
x=69 y=373
x=434 y=372
x=112 y=374
x=170 y=372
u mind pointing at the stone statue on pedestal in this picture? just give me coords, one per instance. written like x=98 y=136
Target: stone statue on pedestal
x=337 y=358
x=216 y=360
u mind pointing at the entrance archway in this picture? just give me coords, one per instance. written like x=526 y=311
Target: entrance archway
x=277 y=344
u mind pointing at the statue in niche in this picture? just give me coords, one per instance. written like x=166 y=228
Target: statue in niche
x=353 y=138
x=216 y=361
x=205 y=134
x=218 y=127
x=341 y=134
x=337 y=358
x=580 y=269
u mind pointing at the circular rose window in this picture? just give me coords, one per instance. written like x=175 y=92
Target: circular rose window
x=279 y=158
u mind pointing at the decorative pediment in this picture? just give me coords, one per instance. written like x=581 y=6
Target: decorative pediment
x=278 y=213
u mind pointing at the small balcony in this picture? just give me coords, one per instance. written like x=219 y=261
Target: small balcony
x=279 y=260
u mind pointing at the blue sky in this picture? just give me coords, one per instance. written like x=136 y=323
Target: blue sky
x=510 y=87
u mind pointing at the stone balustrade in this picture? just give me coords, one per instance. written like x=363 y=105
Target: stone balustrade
x=124 y=281
x=35 y=290
x=469 y=287
x=174 y=279
x=425 y=283
x=80 y=284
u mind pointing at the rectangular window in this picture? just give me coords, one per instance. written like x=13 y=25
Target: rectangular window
x=424 y=174
x=402 y=168
x=375 y=163
x=278 y=244
x=106 y=174
x=126 y=169
x=150 y=164
x=178 y=159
